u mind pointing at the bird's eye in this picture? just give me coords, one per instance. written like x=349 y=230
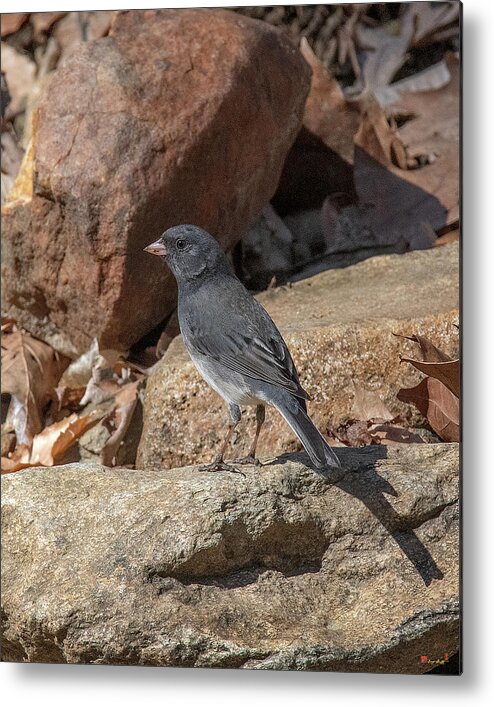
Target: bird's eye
x=180 y=244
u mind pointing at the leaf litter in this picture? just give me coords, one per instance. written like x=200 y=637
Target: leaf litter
x=54 y=402
x=437 y=396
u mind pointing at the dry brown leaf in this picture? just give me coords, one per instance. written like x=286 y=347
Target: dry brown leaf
x=18 y=460
x=50 y=446
x=434 y=131
x=431 y=79
x=377 y=138
x=408 y=205
x=430 y=353
x=384 y=51
x=69 y=398
x=385 y=48
x=438 y=404
x=119 y=421
x=361 y=433
x=395 y=207
x=100 y=389
x=352 y=433
x=394 y=434
x=367 y=405
x=30 y=372
x=448 y=372
x=449 y=237
x=436 y=363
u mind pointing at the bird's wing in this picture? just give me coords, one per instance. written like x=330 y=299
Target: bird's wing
x=266 y=359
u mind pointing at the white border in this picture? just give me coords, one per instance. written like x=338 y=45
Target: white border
x=82 y=685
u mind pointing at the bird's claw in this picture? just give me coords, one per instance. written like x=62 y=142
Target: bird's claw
x=248 y=460
x=220 y=465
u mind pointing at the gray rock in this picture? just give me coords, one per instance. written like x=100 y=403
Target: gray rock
x=279 y=569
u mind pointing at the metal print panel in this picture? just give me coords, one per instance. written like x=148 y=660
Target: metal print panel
x=230 y=337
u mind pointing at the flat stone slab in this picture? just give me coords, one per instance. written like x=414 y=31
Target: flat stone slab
x=339 y=326
x=277 y=569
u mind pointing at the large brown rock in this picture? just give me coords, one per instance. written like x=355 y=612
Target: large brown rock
x=177 y=116
x=275 y=570
x=339 y=326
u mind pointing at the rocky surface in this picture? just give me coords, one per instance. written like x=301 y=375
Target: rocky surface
x=177 y=116
x=276 y=569
x=339 y=326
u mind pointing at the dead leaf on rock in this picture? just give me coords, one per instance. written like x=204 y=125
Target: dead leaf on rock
x=396 y=211
x=367 y=405
x=429 y=351
x=376 y=138
x=437 y=396
x=30 y=372
x=452 y=236
x=69 y=398
x=448 y=372
x=119 y=420
x=438 y=404
x=361 y=433
x=49 y=446
x=384 y=49
x=352 y=433
x=394 y=434
x=431 y=79
x=100 y=388
x=407 y=179
x=80 y=371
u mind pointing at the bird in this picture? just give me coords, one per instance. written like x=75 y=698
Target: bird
x=235 y=345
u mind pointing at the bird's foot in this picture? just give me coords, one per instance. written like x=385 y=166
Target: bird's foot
x=249 y=459
x=220 y=465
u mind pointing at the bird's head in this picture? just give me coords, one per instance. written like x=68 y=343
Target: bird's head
x=189 y=251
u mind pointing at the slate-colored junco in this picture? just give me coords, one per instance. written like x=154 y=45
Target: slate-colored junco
x=234 y=343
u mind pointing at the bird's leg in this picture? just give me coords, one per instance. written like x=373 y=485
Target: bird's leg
x=218 y=464
x=251 y=456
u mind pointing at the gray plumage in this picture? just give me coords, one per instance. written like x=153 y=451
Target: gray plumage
x=232 y=340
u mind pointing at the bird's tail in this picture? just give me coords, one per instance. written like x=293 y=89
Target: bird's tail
x=314 y=443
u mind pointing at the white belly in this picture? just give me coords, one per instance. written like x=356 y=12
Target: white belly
x=233 y=387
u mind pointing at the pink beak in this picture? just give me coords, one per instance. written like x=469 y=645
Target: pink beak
x=156 y=248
